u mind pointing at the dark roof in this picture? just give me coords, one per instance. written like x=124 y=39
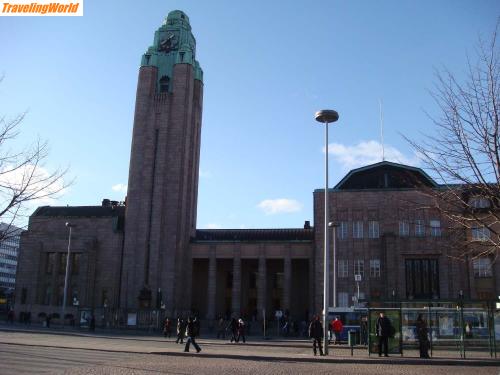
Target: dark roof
x=385 y=175
x=257 y=235
x=80 y=211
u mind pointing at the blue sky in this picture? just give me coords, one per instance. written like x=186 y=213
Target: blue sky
x=268 y=66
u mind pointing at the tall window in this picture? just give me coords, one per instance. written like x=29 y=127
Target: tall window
x=50 y=263
x=435 y=228
x=164 y=83
x=419 y=228
x=404 y=228
x=480 y=233
x=342 y=230
x=343 y=268
x=482 y=267
x=343 y=299
x=373 y=229
x=374 y=267
x=422 y=278
x=357 y=229
x=75 y=265
x=359 y=267
x=62 y=263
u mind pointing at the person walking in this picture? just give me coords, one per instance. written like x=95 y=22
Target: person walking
x=364 y=330
x=383 y=329
x=423 y=339
x=180 y=331
x=241 y=330
x=167 y=328
x=233 y=326
x=337 y=329
x=191 y=331
x=316 y=333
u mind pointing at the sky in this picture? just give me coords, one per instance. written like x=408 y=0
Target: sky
x=268 y=66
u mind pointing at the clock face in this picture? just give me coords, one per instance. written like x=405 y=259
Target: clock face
x=169 y=42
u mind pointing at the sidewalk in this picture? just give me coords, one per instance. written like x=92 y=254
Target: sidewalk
x=287 y=350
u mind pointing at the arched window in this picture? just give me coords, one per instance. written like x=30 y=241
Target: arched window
x=164 y=82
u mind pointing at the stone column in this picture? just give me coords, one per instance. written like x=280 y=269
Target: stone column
x=261 y=286
x=212 y=284
x=236 y=294
x=287 y=279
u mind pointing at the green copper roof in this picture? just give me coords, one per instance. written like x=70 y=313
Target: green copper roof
x=173 y=44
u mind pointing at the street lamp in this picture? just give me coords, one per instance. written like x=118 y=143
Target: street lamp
x=326 y=116
x=70 y=226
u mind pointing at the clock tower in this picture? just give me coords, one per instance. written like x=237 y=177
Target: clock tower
x=162 y=192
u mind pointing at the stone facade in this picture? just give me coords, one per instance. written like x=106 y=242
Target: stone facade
x=147 y=255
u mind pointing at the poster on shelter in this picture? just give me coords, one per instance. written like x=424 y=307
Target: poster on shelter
x=394 y=316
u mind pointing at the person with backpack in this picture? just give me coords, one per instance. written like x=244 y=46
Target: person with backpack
x=384 y=330
x=180 y=331
x=316 y=333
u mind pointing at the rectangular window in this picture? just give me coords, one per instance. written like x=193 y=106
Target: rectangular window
x=435 y=228
x=343 y=268
x=343 y=299
x=24 y=295
x=482 y=267
x=359 y=267
x=480 y=233
x=357 y=229
x=404 y=228
x=50 y=262
x=373 y=229
x=419 y=228
x=422 y=278
x=479 y=202
x=342 y=230
x=374 y=267
x=62 y=263
x=75 y=263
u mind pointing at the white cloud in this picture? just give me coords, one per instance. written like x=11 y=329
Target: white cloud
x=119 y=187
x=365 y=153
x=279 y=206
x=213 y=226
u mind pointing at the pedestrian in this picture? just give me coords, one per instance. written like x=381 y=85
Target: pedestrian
x=316 y=333
x=337 y=329
x=364 y=330
x=47 y=321
x=423 y=339
x=233 y=326
x=92 y=323
x=167 y=328
x=191 y=332
x=221 y=326
x=241 y=330
x=180 y=331
x=330 y=331
x=10 y=316
x=383 y=330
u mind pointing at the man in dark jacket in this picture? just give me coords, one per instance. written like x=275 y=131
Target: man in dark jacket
x=383 y=330
x=191 y=331
x=316 y=333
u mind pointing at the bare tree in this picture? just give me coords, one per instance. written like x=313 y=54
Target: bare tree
x=24 y=178
x=464 y=153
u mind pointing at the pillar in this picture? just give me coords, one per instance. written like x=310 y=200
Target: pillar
x=236 y=293
x=261 y=286
x=287 y=279
x=212 y=284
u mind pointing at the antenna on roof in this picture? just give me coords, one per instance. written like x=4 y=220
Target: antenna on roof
x=382 y=129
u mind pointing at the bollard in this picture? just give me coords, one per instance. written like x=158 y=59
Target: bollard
x=351 y=338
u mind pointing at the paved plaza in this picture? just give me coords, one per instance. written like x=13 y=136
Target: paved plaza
x=37 y=351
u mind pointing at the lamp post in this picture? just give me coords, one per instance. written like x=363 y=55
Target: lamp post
x=70 y=226
x=326 y=116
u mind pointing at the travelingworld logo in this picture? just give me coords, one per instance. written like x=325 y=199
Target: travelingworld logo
x=15 y=8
